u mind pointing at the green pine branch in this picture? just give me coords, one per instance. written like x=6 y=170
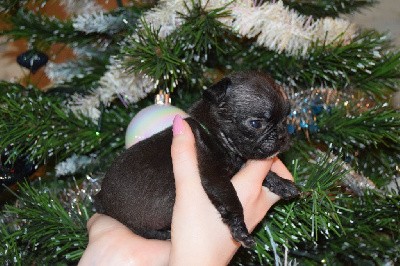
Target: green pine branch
x=314 y=216
x=202 y=33
x=83 y=74
x=377 y=126
x=366 y=63
x=10 y=250
x=42 y=229
x=326 y=225
x=369 y=140
x=39 y=28
x=38 y=125
x=379 y=163
x=159 y=58
x=328 y=8
x=372 y=232
x=184 y=55
x=366 y=139
x=11 y=6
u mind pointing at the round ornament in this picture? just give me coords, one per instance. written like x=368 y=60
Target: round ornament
x=291 y=129
x=152 y=120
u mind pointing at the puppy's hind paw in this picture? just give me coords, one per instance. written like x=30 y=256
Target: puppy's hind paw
x=248 y=242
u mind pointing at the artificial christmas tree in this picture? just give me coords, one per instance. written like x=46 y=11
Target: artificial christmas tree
x=339 y=78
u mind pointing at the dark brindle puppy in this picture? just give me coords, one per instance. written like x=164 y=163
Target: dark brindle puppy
x=241 y=117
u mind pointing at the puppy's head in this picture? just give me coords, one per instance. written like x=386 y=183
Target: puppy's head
x=249 y=113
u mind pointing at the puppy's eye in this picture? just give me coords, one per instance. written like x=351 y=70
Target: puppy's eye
x=257 y=124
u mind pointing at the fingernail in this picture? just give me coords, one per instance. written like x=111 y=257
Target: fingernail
x=177 y=127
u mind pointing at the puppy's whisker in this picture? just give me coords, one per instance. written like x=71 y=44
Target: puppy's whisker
x=228 y=143
x=273 y=155
x=266 y=135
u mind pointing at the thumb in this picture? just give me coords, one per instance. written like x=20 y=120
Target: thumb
x=183 y=153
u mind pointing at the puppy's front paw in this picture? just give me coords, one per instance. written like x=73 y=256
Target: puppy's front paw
x=241 y=234
x=284 y=188
x=288 y=190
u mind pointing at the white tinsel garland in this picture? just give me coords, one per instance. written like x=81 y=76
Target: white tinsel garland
x=130 y=86
x=357 y=182
x=272 y=24
x=166 y=15
x=87 y=106
x=283 y=30
x=91 y=50
x=81 y=6
x=394 y=185
x=98 y=22
x=65 y=72
x=116 y=82
x=73 y=164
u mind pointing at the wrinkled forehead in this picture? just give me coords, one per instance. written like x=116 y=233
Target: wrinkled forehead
x=258 y=84
x=258 y=95
x=256 y=100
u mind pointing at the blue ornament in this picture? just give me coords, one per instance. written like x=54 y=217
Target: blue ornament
x=317 y=105
x=303 y=124
x=291 y=129
x=32 y=60
x=313 y=128
x=317 y=109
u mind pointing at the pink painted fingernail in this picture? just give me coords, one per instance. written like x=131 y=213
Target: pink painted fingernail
x=177 y=127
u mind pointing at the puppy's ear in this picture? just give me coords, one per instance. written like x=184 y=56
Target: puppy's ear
x=216 y=92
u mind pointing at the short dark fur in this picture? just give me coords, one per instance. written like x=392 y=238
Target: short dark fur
x=241 y=117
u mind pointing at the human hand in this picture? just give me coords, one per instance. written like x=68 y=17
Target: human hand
x=112 y=243
x=198 y=235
